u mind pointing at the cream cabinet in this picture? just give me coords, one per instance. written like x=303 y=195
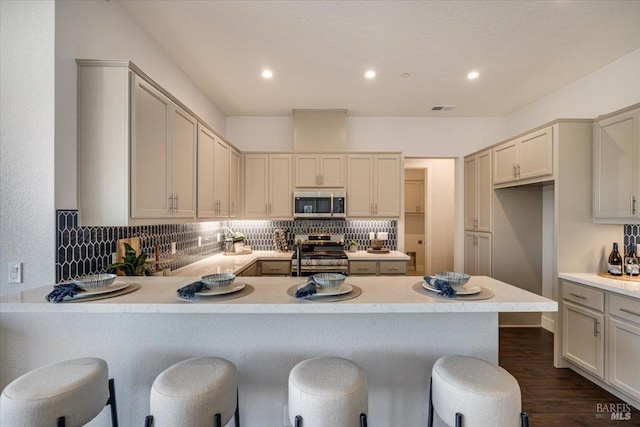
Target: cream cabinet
x=524 y=160
x=616 y=185
x=234 y=183
x=319 y=170
x=623 y=350
x=377 y=268
x=582 y=338
x=478 y=192
x=214 y=161
x=477 y=254
x=136 y=149
x=414 y=197
x=268 y=185
x=373 y=185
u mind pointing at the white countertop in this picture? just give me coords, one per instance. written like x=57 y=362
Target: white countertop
x=366 y=256
x=379 y=295
x=221 y=263
x=623 y=287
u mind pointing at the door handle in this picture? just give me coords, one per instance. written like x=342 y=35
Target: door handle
x=518 y=170
x=514 y=171
x=633 y=205
x=171 y=202
x=596 y=330
x=176 y=203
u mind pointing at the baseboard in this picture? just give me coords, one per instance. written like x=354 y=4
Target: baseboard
x=549 y=324
x=519 y=326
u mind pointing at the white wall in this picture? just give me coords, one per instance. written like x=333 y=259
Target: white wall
x=27 y=141
x=99 y=29
x=610 y=88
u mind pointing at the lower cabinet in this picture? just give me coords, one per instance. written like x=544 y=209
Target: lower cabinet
x=377 y=268
x=275 y=268
x=601 y=335
x=477 y=253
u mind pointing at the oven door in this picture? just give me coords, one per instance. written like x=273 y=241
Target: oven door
x=319 y=204
x=310 y=271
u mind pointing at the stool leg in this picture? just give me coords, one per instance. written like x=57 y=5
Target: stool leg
x=148 y=421
x=298 y=421
x=60 y=422
x=430 y=413
x=237 y=414
x=112 y=403
x=217 y=420
x=525 y=419
x=458 y=419
x=363 y=420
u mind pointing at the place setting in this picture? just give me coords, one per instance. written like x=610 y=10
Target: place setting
x=452 y=286
x=324 y=287
x=214 y=288
x=90 y=288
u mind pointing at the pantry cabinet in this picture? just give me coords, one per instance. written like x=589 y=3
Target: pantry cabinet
x=319 y=170
x=478 y=192
x=373 y=185
x=477 y=254
x=268 y=185
x=136 y=149
x=616 y=181
x=526 y=159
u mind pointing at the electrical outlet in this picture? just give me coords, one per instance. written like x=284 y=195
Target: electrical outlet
x=218 y=237
x=114 y=257
x=199 y=241
x=173 y=248
x=15 y=272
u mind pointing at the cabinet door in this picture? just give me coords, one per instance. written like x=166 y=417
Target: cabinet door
x=616 y=174
x=535 y=154
x=582 y=338
x=387 y=181
x=332 y=170
x=484 y=192
x=360 y=185
x=470 y=254
x=256 y=185
x=505 y=160
x=184 y=134
x=307 y=170
x=484 y=254
x=280 y=186
x=622 y=357
x=412 y=197
x=221 y=177
x=470 y=193
x=234 y=183
x=150 y=186
x=206 y=201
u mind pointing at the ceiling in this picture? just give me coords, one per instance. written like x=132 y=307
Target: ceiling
x=320 y=50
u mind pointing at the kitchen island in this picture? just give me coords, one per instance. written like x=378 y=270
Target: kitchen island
x=394 y=332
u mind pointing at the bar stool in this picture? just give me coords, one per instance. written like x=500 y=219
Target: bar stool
x=476 y=392
x=69 y=393
x=328 y=391
x=197 y=392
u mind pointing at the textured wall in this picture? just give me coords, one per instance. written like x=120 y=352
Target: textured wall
x=27 y=141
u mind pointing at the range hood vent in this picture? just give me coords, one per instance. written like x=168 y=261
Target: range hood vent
x=443 y=107
x=319 y=130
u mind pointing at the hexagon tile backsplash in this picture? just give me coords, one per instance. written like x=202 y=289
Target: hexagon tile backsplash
x=87 y=250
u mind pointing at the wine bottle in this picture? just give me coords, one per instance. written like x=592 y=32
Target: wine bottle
x=631 y=266
x=614 y=266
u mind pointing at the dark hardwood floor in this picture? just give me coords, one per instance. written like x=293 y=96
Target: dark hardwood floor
x=551 y=396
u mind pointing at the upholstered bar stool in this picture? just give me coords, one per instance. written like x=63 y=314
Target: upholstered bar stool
x=199 y=392
x=328 y=392
x=69 y=393
x=473 y=392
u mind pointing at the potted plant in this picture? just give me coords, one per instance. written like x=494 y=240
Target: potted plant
x=352 y=246
x=132 y=264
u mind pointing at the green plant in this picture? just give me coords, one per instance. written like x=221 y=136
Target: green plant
x=132 y=264
x=236 y=236
x=353 y=243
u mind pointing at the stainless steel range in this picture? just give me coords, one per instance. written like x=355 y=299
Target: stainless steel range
x=319 y=253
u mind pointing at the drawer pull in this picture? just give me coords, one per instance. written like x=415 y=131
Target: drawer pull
x=626 y=310
x=393 y=268
x=362 y=269
x=577 y=295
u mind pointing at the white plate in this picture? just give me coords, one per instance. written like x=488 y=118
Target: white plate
x=345 y=288
x=115 y=286
x=465 y=290
x=234 y=287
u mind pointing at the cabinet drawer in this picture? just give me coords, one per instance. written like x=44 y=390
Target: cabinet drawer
x=362 y=267
x=276 y=268
x=624 y=308
x=583 y=295
x=393 y=267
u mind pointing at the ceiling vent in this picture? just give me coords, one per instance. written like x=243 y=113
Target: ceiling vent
x=443 y=107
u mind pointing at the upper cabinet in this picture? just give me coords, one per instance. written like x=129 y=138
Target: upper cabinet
x=374 y=185
x=616 y=185
x=478 y=191
x=136 y=149
x=234 y=183
x=214 y=175
x=526 y=159
x=319 y=170
x=268 y=185
x=413 y=197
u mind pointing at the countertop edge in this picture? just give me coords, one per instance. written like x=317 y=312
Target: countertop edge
x=627 y=288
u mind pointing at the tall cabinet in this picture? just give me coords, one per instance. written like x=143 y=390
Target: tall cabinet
x=478 y=196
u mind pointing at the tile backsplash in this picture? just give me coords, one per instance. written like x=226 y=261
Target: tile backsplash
x=87 y=250
x=631 y=236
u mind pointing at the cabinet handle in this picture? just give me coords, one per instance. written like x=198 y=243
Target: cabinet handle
x=176 y=203
x=626 y=310
x=232 y=211
x=362 y=269
x=321 y=179
x=633 y=205
x=375 y=212
x=577 y=296
x=518 y=170
x=514 y=171
x=171 y=203
x=371 y=209
x=266 y=208
x=393 y=268
x=595 y=328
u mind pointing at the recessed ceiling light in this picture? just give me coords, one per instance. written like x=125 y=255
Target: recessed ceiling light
x=370 y=74
x=405 y=75
x=473 y=75
x=267 y=74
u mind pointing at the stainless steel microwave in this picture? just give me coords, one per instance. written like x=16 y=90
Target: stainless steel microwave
x=319 y=204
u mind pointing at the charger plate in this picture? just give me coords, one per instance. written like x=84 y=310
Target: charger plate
x=355 y=292
x=483 y=294
x=246 y=290
x=132 y=287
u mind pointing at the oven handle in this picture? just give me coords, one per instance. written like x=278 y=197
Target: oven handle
x=332 y=203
